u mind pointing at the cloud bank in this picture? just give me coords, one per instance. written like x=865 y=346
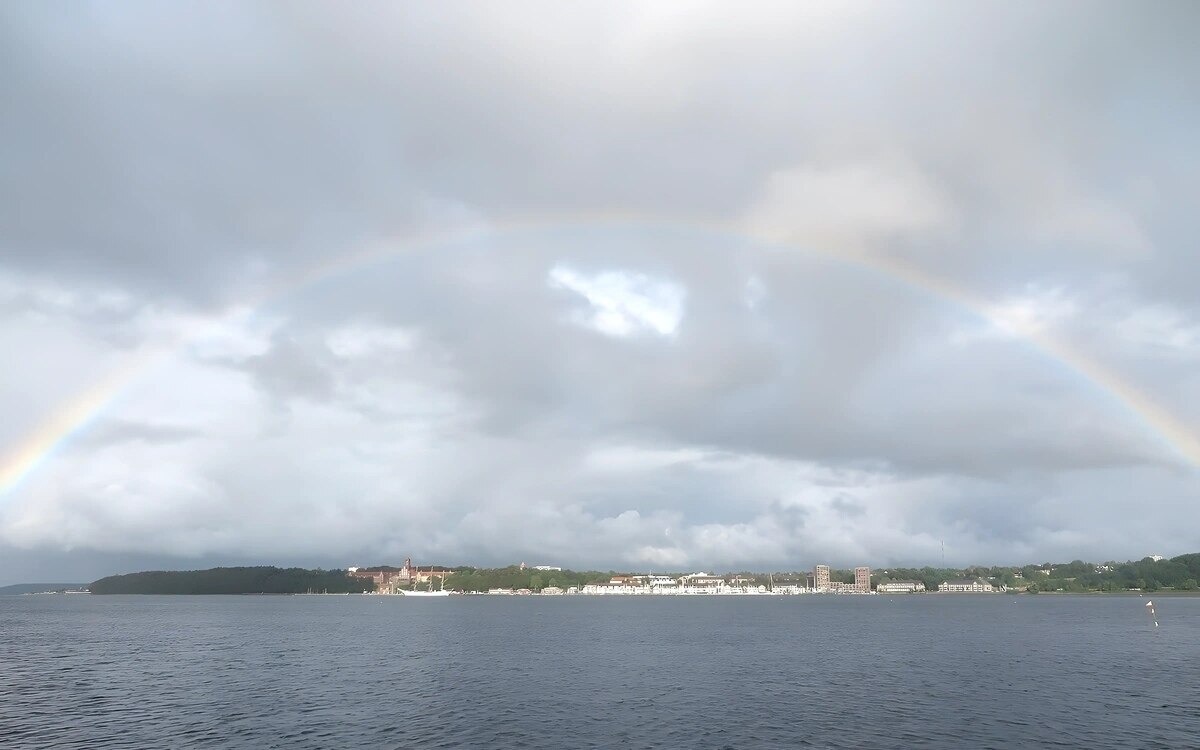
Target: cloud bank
x=638 y=286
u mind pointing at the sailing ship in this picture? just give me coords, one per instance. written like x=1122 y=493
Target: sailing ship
x=430 y=592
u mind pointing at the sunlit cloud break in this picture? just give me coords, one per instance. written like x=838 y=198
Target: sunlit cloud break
x=623 y=303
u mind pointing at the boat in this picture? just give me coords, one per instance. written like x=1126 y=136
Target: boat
x=431 y=592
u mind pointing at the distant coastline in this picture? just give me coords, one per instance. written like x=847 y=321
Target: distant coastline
x=41 y=588
x=1148 y=575
x=240 y=580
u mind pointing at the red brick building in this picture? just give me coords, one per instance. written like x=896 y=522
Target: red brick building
x=388 y=578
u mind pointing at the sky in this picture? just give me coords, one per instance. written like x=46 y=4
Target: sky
x=666 y=286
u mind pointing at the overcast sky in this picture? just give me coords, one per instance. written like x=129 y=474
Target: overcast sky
x=649 y=286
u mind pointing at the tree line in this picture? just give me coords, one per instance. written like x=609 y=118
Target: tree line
x=1180 y=573
x=513 y=577
x=245 y=580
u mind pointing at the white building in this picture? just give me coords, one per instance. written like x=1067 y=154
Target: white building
x=662 y=584
x=609 y=587
x=702 y=583
x=901 y=587
x=966 y=586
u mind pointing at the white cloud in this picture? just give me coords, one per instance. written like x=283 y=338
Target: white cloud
x=661 y=558
x=365 y=340
x=755 y=292
x=47 y=297
x=1033 y=312
x=630 y=458
x=1091 y=221
x=623 y=303
x=849 y=206
x=1158 y=331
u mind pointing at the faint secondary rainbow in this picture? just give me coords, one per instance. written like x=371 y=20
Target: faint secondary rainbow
x=78 y=413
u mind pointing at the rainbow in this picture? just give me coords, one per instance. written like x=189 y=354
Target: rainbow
x=76 y=415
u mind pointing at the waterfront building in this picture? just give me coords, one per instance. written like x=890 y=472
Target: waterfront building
x=385 y=577
x=702 y=583
x=966 y=586
x=862 y=580
x=388 y=579
x=822 y=584
x=901 y=587
x=821 y=578
x=840 y=587
x=431 y=573
x=606 y=587
x=662 y=584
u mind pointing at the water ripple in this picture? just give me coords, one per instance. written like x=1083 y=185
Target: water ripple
x=576 y=672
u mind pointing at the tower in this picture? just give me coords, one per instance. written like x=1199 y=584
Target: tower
x=821 y=578
x=862 y=579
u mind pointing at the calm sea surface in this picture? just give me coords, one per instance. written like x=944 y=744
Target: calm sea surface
x=585 y=672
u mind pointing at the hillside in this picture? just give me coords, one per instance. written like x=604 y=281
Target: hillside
x=37 y=588
x=251 y=580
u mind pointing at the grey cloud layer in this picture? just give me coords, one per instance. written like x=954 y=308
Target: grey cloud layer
x=459 y=400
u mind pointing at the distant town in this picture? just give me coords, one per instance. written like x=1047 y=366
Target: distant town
x=1151 y=573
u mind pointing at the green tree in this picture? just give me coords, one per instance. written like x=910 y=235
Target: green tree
x=241 y=580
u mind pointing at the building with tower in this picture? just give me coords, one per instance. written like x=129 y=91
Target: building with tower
x=389 y=579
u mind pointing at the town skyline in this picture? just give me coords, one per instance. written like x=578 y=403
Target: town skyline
x=1151 y=574
x=119 y=564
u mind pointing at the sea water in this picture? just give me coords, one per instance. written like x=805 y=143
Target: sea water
x=931 y=671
